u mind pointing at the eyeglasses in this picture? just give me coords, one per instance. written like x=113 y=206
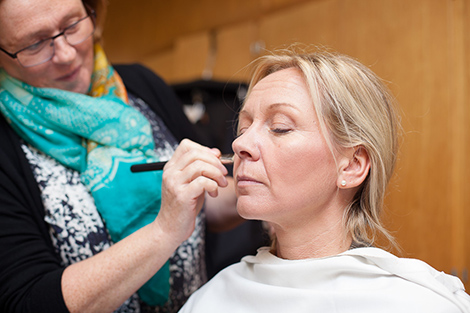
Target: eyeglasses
x=42 y=51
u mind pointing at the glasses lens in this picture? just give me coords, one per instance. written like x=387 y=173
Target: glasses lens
x=36 y=54
x=44 y=50
x=80 y=31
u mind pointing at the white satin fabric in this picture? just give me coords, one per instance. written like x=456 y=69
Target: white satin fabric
x=360 y=280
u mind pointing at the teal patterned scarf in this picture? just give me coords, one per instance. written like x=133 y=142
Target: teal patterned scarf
x=64 y=124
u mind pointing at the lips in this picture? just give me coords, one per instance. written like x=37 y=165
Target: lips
x=71 y=75
x=246 y=180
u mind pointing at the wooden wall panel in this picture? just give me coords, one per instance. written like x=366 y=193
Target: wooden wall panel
x=315 y=22
x=161 y=63
x=465 y=169
x=404 y=51
x=459 y=98
x=192 y=54
x=234 y=51
x=136 y=29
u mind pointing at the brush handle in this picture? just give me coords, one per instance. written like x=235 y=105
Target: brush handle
x=158 y=166
x=146 y=167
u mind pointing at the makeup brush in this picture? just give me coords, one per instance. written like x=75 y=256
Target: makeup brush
x=158 y=166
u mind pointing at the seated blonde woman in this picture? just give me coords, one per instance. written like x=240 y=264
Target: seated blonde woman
x=317 y=146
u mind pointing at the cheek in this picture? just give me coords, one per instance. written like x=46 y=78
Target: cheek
x=305 y=174
x=87 y=72
x=34 y=76
x=87 y=54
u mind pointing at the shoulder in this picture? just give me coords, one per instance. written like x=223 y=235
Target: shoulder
x=416 y=274
x=137 y=73
x=351 y=280
x=161 y=98
x=132 y=68
x=220 y=294
x=10 y=144
x=24 y=236
x=146 y=84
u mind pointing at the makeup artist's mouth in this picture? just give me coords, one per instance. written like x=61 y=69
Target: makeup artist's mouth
x=71 y=75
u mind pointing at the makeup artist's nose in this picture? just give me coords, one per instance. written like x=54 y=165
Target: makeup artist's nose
x=246 y=147
x=64 y=53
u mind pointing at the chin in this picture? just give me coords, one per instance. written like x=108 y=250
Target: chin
x=83 y=85
x=247 y=212
x=242 y=212
x=83 y=90
x=78 y=87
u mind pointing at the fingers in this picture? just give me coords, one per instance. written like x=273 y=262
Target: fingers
x=192 y=171
x=194 y=160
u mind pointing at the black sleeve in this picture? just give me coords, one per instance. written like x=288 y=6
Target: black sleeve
x=30 y=271
x=161 y=98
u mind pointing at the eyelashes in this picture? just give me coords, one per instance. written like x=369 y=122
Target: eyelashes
x=281 y=131
x=276 y=124
x=275 y=130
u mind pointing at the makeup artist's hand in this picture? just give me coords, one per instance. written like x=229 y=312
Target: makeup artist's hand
x=192 y=171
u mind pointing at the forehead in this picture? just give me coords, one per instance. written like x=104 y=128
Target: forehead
x=286 y=86
x=22 y=18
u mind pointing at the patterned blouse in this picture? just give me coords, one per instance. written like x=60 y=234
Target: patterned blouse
x=78 y=232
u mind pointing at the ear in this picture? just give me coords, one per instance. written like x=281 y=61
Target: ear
x=354 y=170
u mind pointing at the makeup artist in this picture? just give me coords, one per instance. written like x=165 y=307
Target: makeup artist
x=317 y=144
x=78 y=231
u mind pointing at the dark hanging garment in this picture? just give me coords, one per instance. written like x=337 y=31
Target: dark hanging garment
x=213 y=106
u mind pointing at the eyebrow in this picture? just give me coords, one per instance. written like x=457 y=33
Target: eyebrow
x=44 y=32
x=276 y=105
x=273 y=107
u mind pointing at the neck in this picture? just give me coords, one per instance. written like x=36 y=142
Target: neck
x=314 y=240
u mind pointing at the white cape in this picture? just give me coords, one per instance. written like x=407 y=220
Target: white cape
x=360 y=280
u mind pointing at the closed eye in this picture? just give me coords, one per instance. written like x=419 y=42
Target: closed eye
x=281 y=130
x=73 y=28
x=34 y=48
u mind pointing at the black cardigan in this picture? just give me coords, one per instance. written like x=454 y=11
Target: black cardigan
x=30 y=271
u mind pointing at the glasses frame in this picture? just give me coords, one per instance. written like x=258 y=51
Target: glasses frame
x=91 y=14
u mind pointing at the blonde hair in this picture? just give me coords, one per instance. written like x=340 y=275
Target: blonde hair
x=355 y=109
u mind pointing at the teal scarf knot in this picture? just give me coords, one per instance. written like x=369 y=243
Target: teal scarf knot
x=64 y=125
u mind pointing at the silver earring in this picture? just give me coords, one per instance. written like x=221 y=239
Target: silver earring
x=343 y=183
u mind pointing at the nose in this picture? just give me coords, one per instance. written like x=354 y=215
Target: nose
x=246 y=146
x=64 y=53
